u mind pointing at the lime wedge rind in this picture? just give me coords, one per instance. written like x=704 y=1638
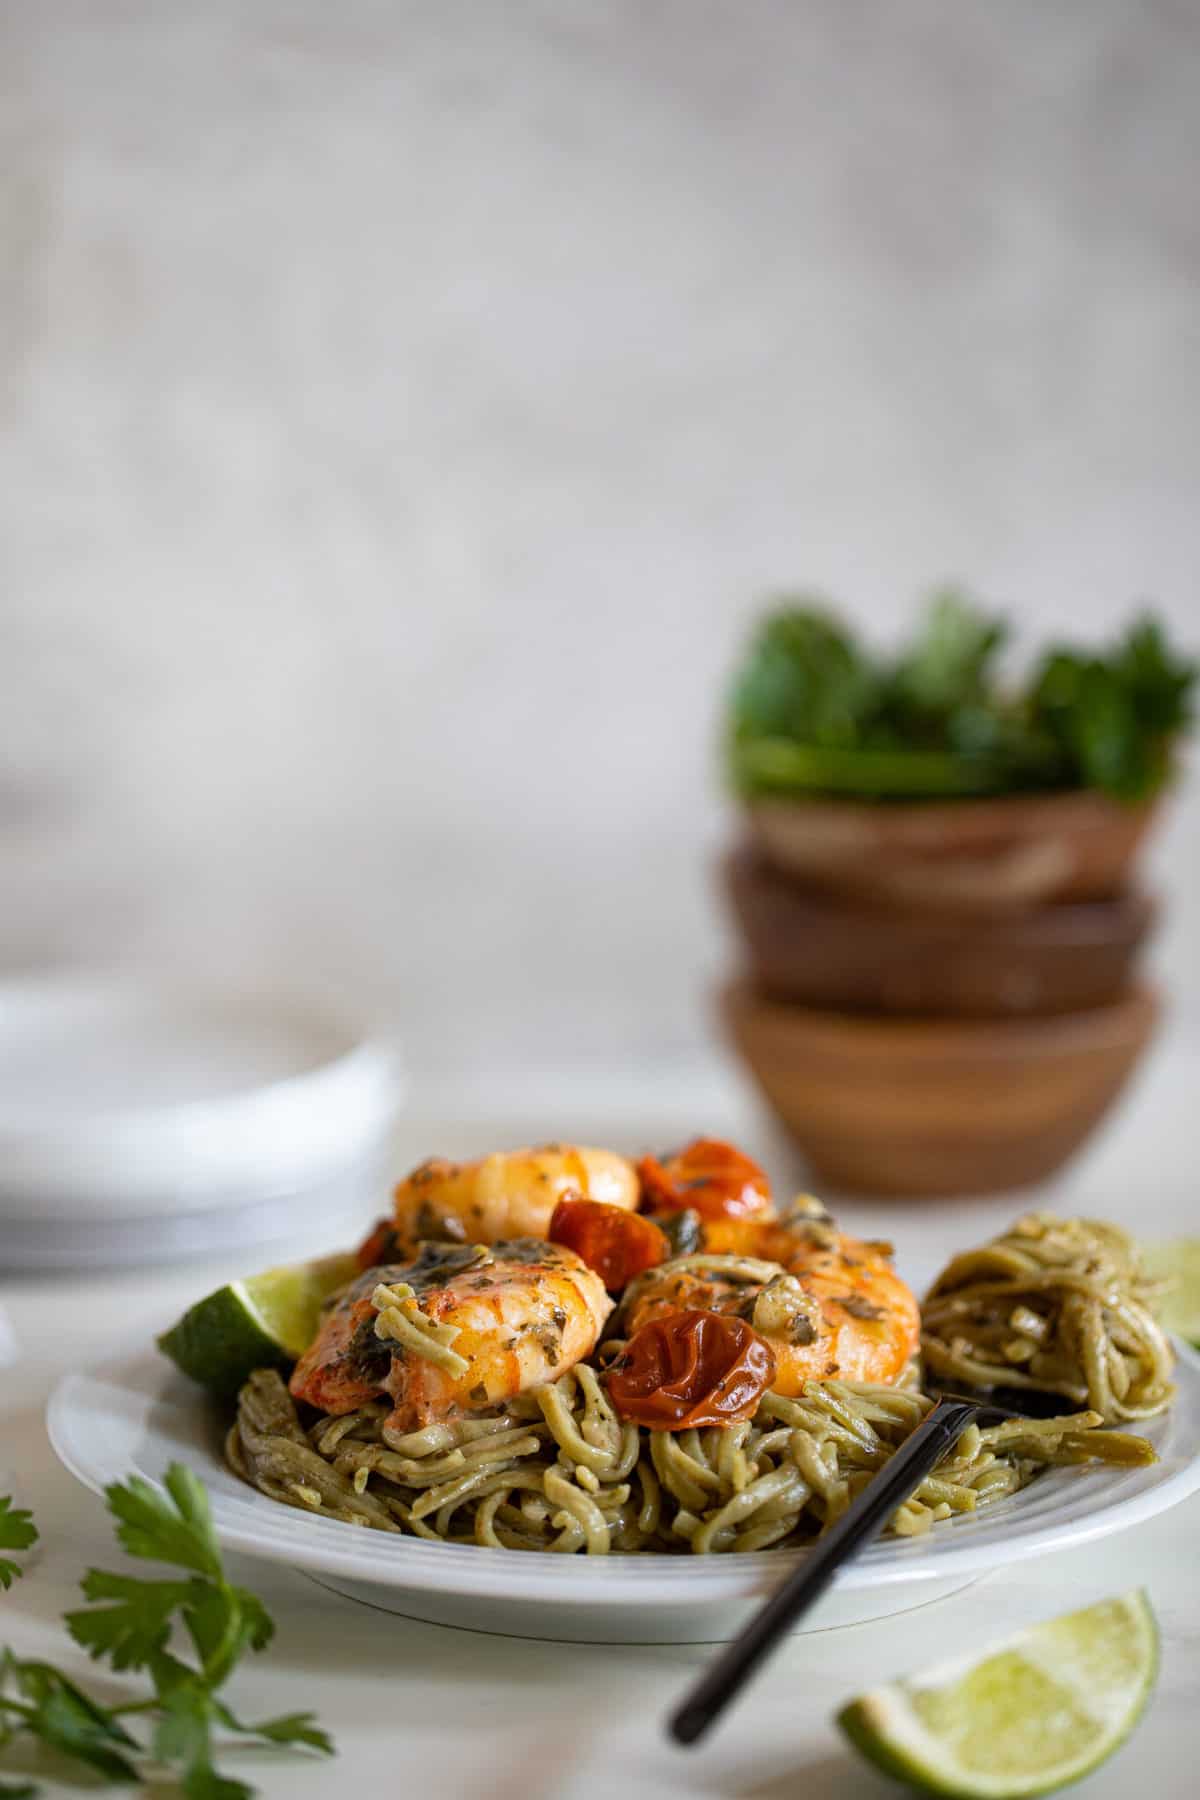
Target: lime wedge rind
x=1035 y=1713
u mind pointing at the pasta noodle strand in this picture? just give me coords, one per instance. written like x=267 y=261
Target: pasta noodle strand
x=570 y=1476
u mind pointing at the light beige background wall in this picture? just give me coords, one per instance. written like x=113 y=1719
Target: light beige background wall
x=402 y=407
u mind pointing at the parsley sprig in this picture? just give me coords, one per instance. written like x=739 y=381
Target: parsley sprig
x=17 y=1532
x=186 y=1634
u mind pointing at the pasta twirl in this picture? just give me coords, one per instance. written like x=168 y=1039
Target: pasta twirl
x=1058 y=1305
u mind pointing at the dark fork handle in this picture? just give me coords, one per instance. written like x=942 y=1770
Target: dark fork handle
x=900 y=1476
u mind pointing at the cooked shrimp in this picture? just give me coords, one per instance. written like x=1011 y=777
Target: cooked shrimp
x=457 y=1330
x=511 y=1193
x=829 y=1305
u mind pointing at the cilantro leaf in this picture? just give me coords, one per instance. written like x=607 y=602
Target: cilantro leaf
x=138 y=1624
x=182 y=1736
x=1160 y=685
x=130 y=1622
x=295 y=1728
x=151 y=1527
x=1105 y=723
x=259 y=1625
x=183 y=1740
x=167 y=1673
x=290 y=1728
x=805 y=678
x=66 y=1719
x=947 y=665
x=814 y=712
x=223 y=1623
x=17 y=1532
x=206 y=1784
x=17 y=1529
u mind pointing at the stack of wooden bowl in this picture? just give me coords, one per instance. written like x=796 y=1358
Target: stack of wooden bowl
x=940 y=997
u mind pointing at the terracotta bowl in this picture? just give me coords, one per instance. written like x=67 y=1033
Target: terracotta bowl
x=820 y=950
x=926 y=1107
x=964 y=856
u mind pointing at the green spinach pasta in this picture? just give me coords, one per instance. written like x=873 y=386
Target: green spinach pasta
x=1056 y=1305
x=559 y=1471
x=678 y=1365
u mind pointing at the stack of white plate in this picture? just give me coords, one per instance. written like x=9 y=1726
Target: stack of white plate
x=140 y=1122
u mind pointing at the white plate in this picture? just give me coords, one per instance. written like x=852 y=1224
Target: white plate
x=139 y=1416
x=138 y=1118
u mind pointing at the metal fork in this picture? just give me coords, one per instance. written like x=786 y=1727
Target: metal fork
x=866 y=1515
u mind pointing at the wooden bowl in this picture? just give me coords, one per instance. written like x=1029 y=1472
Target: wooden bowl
x=820 y=950
x=965 y=856
x=890 y=1106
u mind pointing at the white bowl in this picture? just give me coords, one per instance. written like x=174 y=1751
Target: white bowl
x=140 y=1415
x=131 y=1110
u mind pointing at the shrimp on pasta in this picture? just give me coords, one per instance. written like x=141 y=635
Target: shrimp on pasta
x=456 y=1331
x=830 y=1306
x=510 y=1194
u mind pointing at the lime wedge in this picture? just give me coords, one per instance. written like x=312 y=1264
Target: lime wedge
x=264 y=1322
x=1039 y=1710
x=1178 y=1264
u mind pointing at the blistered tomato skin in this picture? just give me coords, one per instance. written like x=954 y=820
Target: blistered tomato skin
x=713 y=1178
x=617 y=1244
x=689 y=1369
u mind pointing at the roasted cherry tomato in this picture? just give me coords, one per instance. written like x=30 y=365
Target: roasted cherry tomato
x=713 y=1178
x=691 y=1368
x=616 y=1243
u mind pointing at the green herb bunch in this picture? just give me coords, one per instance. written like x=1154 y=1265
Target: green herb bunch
x=132 y=1625
x=814 y=711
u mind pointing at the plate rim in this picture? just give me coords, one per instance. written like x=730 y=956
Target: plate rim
x=624 y=1580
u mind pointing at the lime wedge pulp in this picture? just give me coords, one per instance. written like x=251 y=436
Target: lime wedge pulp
x=1035 y=1712
x=1178 y=1266
x=264 y=1322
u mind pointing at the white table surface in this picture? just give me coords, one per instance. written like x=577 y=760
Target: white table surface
x=420 y=1708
